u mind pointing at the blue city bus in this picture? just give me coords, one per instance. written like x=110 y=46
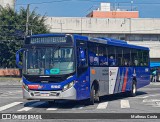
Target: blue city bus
x=75 y=67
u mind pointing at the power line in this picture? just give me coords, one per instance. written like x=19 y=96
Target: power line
x=56 y=1
x=46 y=2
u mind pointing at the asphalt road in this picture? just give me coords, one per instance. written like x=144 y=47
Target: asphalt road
x=146 y=101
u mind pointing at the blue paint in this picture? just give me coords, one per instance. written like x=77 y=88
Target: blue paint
x=142 y=77
x=47 y=71
x=155 y=64
x=47 y=86
x=81 y=86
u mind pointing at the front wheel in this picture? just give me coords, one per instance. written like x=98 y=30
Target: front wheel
x=94 y=95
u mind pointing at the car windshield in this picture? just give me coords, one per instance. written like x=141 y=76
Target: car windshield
x=49 y=61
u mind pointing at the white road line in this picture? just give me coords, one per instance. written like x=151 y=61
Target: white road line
x=52 y=109
x=6 y=97
x=152 y=95
x=142 y=97
x=151 y=100
x=31 y=106
x=125 y=104
x=9 y=105
x=102 y=105
x=78 y=107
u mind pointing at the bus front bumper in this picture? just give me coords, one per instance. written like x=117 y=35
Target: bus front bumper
x=69 y=94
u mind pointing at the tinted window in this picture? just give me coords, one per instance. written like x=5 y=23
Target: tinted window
x=126 y=57
x=119 y=56
x=103 y=55
x=111 y=56
x=93 y=54
x=134 y=57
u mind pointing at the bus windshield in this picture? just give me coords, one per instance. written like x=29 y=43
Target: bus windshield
x=49 y=61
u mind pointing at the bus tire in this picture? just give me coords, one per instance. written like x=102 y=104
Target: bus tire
x=92 y=95
x=133 y=90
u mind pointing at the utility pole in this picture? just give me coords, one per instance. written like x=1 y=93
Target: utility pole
x=131 y=5
x=61 y=26
x=27 y=20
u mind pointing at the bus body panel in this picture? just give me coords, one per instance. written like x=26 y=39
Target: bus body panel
x=69 y=94
x=124 y=78
x=38 y=90
x=83 y=85
x=143 y=76
x=118 y=79
x=110 y=79
x=100 y=74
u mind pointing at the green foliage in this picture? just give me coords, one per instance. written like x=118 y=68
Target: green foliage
x=12 y=32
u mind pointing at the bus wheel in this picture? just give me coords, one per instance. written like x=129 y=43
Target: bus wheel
x=134 y=89
x=94 y=97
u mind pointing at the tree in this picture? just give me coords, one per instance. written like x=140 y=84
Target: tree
x=12 y=32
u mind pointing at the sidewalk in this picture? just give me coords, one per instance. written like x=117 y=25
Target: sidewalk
x=10 y=81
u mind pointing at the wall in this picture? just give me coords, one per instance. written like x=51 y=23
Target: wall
x=9 y=72
x=106 y=25
x=134 y=30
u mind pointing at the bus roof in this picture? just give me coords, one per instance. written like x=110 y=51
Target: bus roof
x=47 y=35
x=103 y=40
x=115 y=42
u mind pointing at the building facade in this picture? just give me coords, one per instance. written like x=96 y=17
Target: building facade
x=138 y=31
x=107 y=11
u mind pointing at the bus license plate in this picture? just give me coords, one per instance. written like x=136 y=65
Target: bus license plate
x=44 y=94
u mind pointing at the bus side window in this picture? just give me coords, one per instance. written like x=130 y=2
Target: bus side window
x=112 y=56
x=102 y=53
x=112 y=61
x=93 y=54
x=126 y=57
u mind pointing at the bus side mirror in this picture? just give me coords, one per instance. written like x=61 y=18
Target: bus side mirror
x=18 y=58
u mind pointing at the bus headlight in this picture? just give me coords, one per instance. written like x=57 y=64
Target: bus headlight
x=68 y=86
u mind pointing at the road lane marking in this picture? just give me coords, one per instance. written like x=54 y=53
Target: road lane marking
x=102 y=105
x=125 y=104
x=78 y=107
x=9 y=105
x=152 y=95
x=6 y=97
x=151 y=100
x=31 y=106
x=52 y=109
x=142 y=97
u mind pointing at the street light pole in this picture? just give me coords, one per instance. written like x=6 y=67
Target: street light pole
x=131 y=5
x=27 y=19
x=61 y=26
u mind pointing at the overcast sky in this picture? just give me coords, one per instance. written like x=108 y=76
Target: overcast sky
x=80 y=8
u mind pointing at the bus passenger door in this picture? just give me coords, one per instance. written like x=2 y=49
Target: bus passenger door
x=82 y=66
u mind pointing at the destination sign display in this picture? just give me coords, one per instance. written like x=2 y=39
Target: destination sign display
x=48 y=40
